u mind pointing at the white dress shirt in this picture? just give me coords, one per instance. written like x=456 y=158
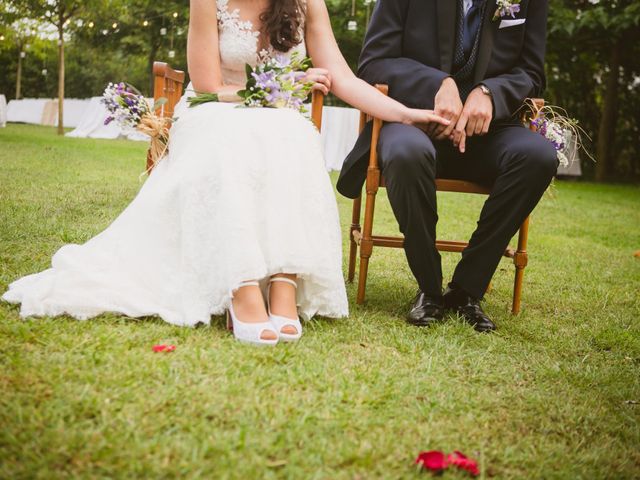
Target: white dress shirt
x=467 y=6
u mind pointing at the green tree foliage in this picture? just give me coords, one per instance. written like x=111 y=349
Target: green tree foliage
x=594 y=72
x=59 y=14
x=145 y=31
x=22 y=51
x=111 y=41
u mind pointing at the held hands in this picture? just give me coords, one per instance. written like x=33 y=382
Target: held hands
x=425 y=119
x=448 y=105
x=472 y=118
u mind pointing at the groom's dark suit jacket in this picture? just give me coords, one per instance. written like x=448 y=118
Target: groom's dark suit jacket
x=410 y=46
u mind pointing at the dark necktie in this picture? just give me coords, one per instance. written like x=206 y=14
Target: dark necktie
x=467 y=41
x=472 y=22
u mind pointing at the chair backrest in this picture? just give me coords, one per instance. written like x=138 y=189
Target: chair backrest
x=533 y=108
x=167 y=83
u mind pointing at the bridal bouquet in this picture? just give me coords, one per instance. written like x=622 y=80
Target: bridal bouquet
x=129 y=108
x=277 y=83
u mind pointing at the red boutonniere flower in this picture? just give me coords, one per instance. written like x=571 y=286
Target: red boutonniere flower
x=163 y=348
x=436 y=461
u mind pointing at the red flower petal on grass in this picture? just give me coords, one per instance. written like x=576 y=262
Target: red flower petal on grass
x=433 y=460
x=463 y=462
x=436 y=461
x=163 y=348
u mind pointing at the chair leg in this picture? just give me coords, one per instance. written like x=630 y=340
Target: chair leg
x=517 y=291
x=362 y=280
x=520 y=260
x=353 y=246
x=366 y=242
x=149 y=165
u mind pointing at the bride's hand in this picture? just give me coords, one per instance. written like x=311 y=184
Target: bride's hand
x=424 y=118
x=321 y=79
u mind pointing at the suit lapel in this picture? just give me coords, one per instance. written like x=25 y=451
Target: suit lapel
x=489 y=28
x=447 y=32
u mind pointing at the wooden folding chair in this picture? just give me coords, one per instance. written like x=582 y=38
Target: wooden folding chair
x=364 y=238
x=168 y=83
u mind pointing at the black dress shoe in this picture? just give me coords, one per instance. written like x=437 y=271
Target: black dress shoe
x=469 y=308
x=426 y=310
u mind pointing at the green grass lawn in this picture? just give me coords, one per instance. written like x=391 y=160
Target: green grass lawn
x=553 y=394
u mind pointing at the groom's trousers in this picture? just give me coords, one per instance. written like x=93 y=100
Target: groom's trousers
x=517 y=163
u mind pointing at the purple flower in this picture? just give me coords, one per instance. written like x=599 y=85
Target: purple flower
x=510 y=11
x=266 y=80
x=278 y=98
x=551 y=130
x=281 y=61
x=125 y=105
x=279 y=82
x=506 y=8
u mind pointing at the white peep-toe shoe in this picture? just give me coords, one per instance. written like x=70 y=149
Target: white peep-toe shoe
x=280 y=322
x=249 y=332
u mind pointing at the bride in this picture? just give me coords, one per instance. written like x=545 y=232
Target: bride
x=242 y=209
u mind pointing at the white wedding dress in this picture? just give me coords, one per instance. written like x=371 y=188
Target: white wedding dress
x=243 y=194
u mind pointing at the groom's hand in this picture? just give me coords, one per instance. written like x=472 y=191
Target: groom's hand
x=476 y=115
x=447 y=104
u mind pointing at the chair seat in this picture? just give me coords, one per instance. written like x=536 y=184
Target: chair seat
x=453 y=185
x=461 y=186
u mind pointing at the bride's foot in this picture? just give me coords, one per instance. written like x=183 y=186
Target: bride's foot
x=248 y=316
x=283 y=311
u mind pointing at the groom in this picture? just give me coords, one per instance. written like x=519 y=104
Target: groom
x=475 y=64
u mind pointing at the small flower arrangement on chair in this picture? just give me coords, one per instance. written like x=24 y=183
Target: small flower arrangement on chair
x=564 y=132
x=131 y=110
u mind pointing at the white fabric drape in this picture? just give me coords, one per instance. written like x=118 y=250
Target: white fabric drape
x=44 y=111
x=3 y=110
x=339 y=134
x=91 y=125
x=26 y=110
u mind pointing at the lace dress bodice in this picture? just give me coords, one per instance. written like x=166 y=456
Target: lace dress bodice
x=238 y=44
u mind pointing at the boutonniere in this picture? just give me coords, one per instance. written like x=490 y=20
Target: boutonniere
x=506 y=8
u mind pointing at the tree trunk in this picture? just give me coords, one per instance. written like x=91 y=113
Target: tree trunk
x=608 y=119
x=61 y=78
x=153 y=53
x=150 y=60
x=19 y=76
